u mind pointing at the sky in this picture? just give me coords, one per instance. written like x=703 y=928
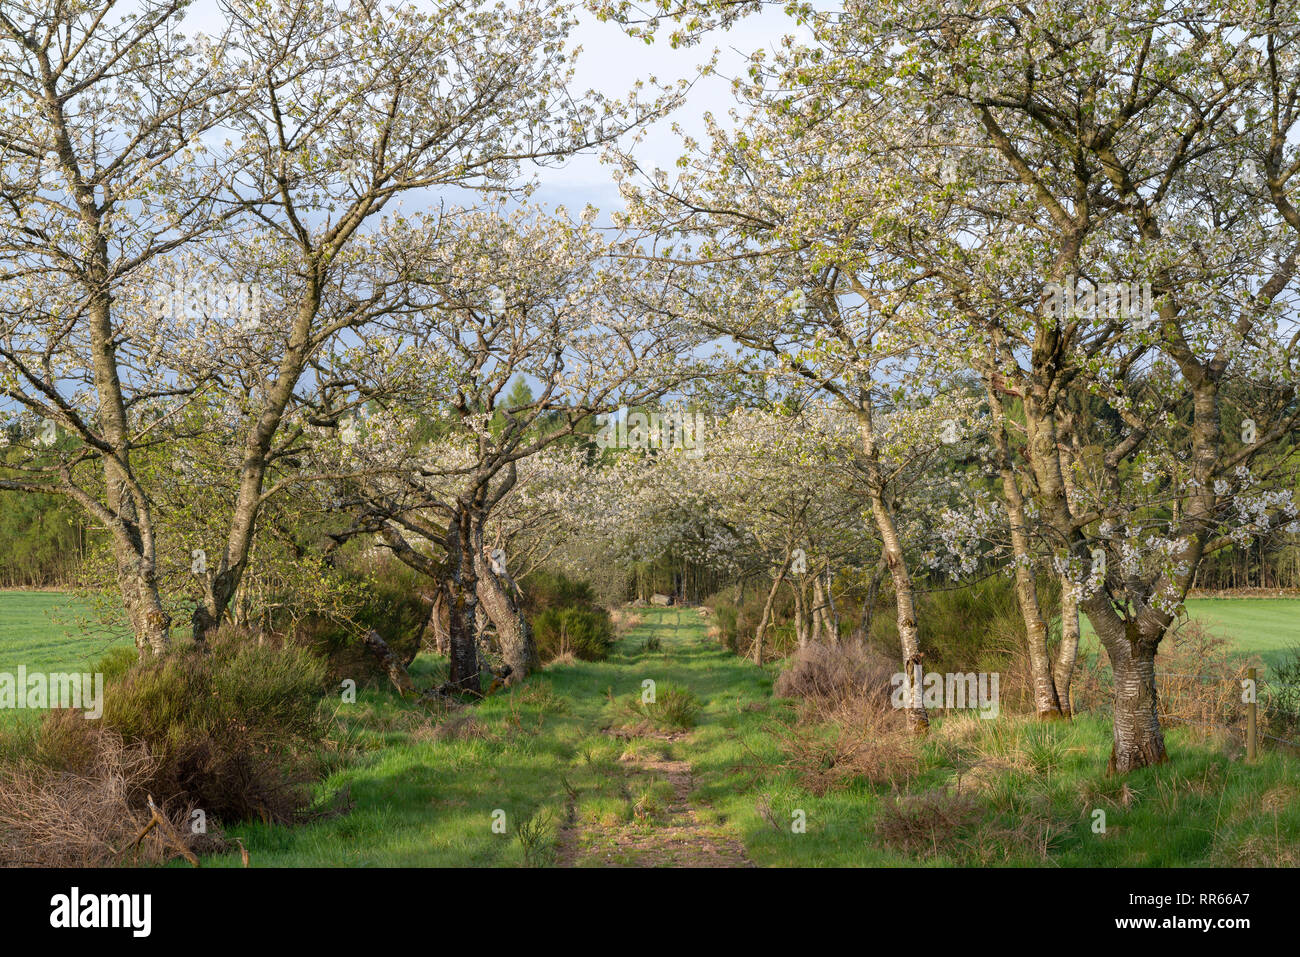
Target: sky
x=611 y=62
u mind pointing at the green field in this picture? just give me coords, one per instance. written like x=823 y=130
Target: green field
x=50 y=631
x=1268 y=627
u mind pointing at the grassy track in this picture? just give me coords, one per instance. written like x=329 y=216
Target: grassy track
x=425 y=789
x=421 y=787
x=424 y=793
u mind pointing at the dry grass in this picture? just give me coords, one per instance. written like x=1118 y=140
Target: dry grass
x=926 y=824
x=459 y=728
x=826 y=676
x=625 y=619
x=92 y=817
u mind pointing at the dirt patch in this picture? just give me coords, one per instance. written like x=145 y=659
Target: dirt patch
x=671 y=835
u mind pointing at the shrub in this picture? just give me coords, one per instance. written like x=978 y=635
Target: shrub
x=547 y=590
x=586 y=633
x=827 y=675
x=1283 y=701
x=224 y=724
x=674 y=709
x=391 y=603
x=728 y=621
x=969 y=628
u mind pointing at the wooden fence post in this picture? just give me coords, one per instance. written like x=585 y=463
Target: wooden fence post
x=1251 y=709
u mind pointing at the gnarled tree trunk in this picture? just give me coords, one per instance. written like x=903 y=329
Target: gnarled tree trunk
x=1137 y=739
x=495 y=595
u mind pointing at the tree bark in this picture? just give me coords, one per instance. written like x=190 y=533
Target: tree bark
x=462 y=604
x=1068 y=652
x=1047 y=701
x=496 y=597
x=892 y=553
x=1137 y=739
x=798 y=587
x=397 y=672
x=767 y=609
x=439 y=622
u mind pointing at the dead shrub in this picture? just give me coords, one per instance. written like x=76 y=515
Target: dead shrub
x=827 y=676
x=925 y=824
x=93 y=815
x=850 y=743
x=848 y=729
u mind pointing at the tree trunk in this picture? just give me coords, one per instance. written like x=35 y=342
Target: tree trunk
x=800 y=612
x=396 y=671
x=818 y=602
x=439 y=623
x=496 y=597
x=767 y=610
x=1137 y=740
x=150 y=623
x=908 y=634
x=462 y=604
x=830 y=615
x=222 y=581
x=1067 y=654
x=873 y=594
x=1047 y=702
x=892 y=552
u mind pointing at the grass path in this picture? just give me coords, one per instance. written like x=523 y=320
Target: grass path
x=564 y=771
x=532 y=776
x=666 y=828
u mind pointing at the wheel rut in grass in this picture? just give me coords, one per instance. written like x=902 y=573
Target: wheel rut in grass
x=665 y=832
x=652 y=817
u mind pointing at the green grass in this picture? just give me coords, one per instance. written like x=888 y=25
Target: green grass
x=1268 y=627
x=51 y=631
x=421 y=787
x=420 y=801
x=530 y=753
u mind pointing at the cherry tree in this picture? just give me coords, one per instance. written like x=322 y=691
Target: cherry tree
x=499 y=297
x=1093 y=152
x=102 y=171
